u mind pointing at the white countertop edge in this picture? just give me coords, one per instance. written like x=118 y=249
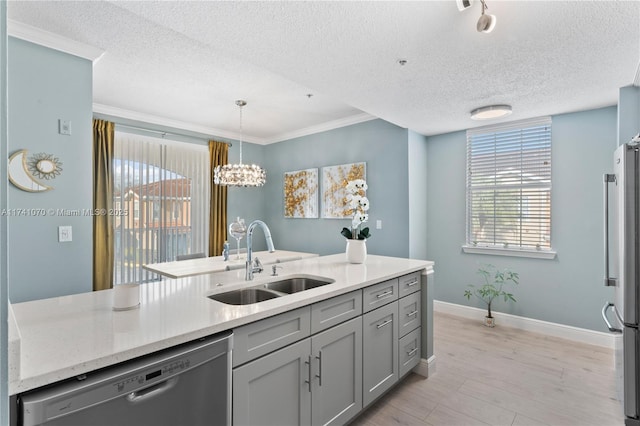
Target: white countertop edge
x=243 y=315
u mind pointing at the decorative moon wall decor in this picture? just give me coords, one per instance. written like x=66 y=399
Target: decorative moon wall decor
x=22 y=170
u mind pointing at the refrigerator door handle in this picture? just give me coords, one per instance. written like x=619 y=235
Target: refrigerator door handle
x=605 y=308
x=608 y=281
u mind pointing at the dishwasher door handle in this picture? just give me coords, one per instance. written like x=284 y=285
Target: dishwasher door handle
x=152 y=391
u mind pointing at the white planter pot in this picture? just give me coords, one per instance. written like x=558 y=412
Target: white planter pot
x=356 y=251
x=489 y=322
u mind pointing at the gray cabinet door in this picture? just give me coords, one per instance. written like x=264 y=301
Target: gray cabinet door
x=379 y=351
x=409 y=309
x=337 y=373
x=275 y=389
x=333 y=311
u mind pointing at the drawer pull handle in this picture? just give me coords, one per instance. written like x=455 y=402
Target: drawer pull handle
x=410 y=314
x=308 y=362
x=387 y=322
x=412 y=352
x=319 y=375
x=385 y=294
x=412 y=283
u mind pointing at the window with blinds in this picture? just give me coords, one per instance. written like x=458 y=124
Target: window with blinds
x=162 y=187
x=509 y=186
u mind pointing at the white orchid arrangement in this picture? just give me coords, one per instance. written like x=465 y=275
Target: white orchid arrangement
x=359 y=204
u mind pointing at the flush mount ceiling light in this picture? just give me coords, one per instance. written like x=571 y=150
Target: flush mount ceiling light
x=491 y=111
x=239 y=174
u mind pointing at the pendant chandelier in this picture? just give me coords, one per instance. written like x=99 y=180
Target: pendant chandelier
x=239 y=174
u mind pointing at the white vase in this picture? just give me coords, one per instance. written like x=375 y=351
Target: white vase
x=356 y=251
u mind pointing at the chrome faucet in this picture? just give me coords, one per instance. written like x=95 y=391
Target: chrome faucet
x=250 y=268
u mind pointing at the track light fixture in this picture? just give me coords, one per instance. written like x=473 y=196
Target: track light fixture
x=487 y=22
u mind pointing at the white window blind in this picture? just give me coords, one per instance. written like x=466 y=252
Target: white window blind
x=163 y=189
x=509 y=186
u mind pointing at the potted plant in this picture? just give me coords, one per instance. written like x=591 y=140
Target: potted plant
x=357 y=236
x=494 y=282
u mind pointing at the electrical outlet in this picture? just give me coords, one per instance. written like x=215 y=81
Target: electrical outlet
x=64 y=127
x=65 y=234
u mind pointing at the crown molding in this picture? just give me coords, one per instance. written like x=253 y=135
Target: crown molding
x=329 y=125
x=53 y=41
x=213 y=132
x=167 y=122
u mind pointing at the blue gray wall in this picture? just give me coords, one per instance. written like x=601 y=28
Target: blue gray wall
x=417 y=200
x=567 y=290
x=384 y=147
x=46 y=85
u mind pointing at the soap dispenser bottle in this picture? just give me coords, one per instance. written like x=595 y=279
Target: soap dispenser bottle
x=225 y=251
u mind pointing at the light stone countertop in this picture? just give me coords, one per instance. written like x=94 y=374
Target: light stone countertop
x=67 y=336
x=207 y=265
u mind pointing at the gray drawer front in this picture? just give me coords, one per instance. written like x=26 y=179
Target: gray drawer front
x=409 y=351
x=409 y=313
x=267 y=335
x=336 y=310
x=409 y=283
x=379 y=294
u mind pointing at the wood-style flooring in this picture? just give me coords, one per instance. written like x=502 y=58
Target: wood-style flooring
x=503 y=376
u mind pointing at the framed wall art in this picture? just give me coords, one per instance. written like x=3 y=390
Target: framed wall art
x=334 y=196
x=301 y=194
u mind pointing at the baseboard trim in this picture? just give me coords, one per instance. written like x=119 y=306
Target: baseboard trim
x=576 y=334
x=426 y=368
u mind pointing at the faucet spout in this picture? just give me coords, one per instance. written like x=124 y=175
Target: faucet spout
x=267 y=235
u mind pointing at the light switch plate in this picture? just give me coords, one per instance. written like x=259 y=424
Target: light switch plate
x=65 y=234
x=64 y=127
x=378 y=224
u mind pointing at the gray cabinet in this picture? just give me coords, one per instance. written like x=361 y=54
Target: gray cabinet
x=333 y=311
x=408 y=284
x=379 y=294
x=336 y=393
x=409 y=313
x=409 y=351
x=379 y=351
x=274 y=390
x=261 y=337
x=317 y=380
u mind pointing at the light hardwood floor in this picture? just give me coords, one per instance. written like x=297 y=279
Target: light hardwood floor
x=503 y=376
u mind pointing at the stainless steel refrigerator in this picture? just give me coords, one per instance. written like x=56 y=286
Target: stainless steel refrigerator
x=622 y=271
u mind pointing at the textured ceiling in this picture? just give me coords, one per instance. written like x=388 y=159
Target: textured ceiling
x=189 y=61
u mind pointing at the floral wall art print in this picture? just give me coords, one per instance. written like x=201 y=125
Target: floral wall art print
x=334 y=195
x=301 y=194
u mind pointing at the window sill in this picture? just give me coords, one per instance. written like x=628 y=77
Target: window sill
x=497 y=251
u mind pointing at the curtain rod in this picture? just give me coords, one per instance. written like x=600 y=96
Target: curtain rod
x=163 y=133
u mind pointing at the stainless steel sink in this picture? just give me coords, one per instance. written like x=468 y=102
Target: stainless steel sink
x=296 y=284
x=245 y=296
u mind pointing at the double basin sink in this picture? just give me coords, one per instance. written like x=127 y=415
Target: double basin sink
x=270 y=290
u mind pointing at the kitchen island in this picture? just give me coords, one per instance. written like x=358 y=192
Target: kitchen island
x=64 y=337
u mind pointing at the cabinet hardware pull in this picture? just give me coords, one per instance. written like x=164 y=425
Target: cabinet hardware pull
x=308 y=362
x=410 y=314
x=319 y=375
x=385 y=294
x=387 y=322
x=412 y=283
x=412 y=352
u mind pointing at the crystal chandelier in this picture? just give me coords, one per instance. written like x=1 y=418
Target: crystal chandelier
x=240 y=174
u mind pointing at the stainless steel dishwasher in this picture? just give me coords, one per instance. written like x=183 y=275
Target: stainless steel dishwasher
x=186 y=385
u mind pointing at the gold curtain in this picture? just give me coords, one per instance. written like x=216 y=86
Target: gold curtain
x=218 y=156
x=103 y=245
